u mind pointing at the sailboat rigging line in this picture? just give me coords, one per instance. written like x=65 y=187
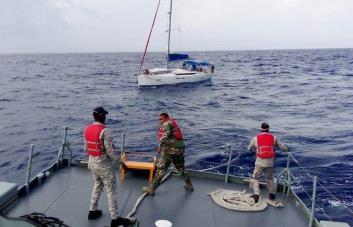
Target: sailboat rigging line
x=149 y=36
x=169 y=31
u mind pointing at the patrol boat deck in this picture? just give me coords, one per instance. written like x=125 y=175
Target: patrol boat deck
x=63 y=190
x=66 y=195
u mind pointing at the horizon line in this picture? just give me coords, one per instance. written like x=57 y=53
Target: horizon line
x=129 y=52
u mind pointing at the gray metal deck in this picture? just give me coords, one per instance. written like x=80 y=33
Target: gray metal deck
x=66 y=195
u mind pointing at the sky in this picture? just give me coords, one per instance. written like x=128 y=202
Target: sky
x=70 y=26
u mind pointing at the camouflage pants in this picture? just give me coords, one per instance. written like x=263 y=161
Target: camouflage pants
x=104 y=178
x=269 y=179
x=163 y=165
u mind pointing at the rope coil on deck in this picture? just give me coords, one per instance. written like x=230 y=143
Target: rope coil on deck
x=237 y=200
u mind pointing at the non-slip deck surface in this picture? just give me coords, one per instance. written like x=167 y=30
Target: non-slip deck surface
x=66 y=195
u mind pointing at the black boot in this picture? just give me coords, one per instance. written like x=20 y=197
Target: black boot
x=122 y=221
x=149 y=190
x=188 y=186
x=94 y=214
x=255 y=197
x=272 y=196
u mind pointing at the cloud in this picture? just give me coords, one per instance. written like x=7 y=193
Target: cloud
x=111 y=25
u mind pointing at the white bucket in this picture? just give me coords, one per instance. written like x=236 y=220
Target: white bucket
x=163 y=223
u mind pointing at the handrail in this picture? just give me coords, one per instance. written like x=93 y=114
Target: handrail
x=56 y=164
x=122 y=143
x=322 y=186
x=288 y=178
x=61 y=152
x=29 y=167
x=313 y=200
x=230 y=148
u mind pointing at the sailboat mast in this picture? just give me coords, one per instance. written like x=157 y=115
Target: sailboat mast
x=169 y=31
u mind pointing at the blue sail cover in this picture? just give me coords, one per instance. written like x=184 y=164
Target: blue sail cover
x=177 y=57
x=195 y=63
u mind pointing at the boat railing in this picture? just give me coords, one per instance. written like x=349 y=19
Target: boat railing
x=292 y=179
x=288 y=179
x=29 y=167
x=65 y=146
x=64 y=153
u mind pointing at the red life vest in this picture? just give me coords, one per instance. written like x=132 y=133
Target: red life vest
x=94 y=145
x=265 y=145
x=176 y=131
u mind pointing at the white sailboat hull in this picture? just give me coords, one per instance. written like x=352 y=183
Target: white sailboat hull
x=158 y=76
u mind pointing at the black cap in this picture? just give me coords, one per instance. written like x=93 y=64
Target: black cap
x=100 y=110
x=265 y=126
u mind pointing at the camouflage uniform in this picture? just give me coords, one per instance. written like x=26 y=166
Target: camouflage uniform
x=172 y=151
x=264 y=165
x=102 y=168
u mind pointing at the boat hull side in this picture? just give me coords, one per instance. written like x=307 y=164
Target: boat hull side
x=171 y=78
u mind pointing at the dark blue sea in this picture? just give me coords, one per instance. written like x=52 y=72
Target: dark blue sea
x=305 y=95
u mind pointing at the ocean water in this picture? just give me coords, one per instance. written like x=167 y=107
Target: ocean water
x=305 y=95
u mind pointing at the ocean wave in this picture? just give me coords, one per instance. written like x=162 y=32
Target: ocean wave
x=6 y=100
x=304 y=95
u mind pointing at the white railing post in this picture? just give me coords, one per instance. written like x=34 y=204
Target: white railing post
x=122 y=143
x=229 y=162
x=313 y=201
x=62 y=149
x=29 y=167
x=289 y=177
x=288 y=161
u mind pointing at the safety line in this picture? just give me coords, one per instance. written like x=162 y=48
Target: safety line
x=318 y=182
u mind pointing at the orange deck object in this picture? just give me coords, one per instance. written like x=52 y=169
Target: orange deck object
x=126 y=165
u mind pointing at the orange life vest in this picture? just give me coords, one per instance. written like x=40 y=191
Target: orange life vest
x=265 y=145
x=176 y=131
x=94 y=145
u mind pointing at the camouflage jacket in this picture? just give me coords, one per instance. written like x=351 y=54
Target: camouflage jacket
x=167 y=142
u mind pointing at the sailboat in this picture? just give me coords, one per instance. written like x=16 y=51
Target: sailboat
x=191 y=71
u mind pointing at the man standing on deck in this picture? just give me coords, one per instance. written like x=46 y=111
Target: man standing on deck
x=265 y=144
x=171 y=147
x=102 y=160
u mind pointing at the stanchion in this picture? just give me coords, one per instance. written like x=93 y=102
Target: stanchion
x=229 y=163
x=29 y=167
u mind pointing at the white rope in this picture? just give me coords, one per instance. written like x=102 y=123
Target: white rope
x=237 y=200
x=141 y=198
x=219 y=202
